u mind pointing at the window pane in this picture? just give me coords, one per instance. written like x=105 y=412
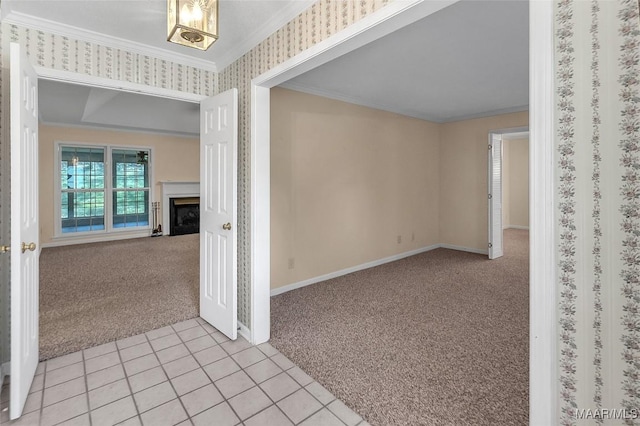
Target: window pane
x=83 y=184
x=130 y=208
x=130 y=168
x=81 y=168
x=82 y=211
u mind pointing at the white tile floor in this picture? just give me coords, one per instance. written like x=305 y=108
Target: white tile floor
x=185 y=374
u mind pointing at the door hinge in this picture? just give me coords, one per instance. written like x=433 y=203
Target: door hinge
x=490 y=196
x=490 y=147
x=490 y=245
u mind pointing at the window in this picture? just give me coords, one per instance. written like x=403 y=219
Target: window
x=99 y=195
x=82 y=189
x=130 y=188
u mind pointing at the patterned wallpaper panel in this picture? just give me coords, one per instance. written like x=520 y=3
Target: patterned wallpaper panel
x=319 y=22
x=63 y=53
x=597 y=49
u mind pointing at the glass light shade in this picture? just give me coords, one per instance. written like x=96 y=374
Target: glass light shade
x=192 y=23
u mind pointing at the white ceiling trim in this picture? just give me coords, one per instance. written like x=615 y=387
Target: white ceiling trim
x=357 y=101
x=107 y=83
x=64 y=30
x=491 y=113
x=406 y=112
x=120 y=129
x=288 y=13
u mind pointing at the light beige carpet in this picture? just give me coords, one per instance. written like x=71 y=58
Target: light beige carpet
x=440 y=338
x=96 y=293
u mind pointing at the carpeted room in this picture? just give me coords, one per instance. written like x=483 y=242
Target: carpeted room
x=96 y=293
x=96 y=287
x=440 y=337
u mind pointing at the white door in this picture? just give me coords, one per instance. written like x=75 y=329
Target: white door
x=218 y=211
x=25 y=241
x=495 y=195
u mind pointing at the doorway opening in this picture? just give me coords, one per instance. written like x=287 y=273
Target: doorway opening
x=508 y=184
x=542 y=368
x=104 y=155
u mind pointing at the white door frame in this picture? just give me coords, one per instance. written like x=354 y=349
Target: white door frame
x=106 y=83
x=512 y=133
x=86 y=80
x=543 y=392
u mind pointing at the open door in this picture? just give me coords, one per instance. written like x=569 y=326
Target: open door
x=25 y=241
x=218 y=212
x=495 y=195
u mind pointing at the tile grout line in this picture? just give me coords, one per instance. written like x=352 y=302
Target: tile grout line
x=126 y=377
x=168 y=379
x=44 y=383
x=273 y=403
x=86 y=387
x=322 y=406
x=305 y=388
x=224 y=399
x=230 y=356
x=200 y=367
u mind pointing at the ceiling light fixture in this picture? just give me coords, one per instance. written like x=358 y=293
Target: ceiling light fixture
x=192 y=23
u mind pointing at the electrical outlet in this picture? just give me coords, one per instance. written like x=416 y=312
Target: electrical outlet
x=399 y=239
x=292 y=262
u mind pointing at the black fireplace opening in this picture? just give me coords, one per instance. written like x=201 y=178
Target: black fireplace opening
x=184 y=215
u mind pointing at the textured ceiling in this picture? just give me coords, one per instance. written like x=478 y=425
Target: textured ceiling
x=468 y=60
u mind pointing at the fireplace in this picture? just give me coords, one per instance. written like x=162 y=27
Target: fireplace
x=184 y=215
x=173 y=189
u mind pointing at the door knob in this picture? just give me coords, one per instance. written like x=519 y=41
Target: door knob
x=5 y=249
x=30 y=247
x=227 y=226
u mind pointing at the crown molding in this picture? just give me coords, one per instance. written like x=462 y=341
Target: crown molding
x=65 y=30
x=277 y=21
x=492 y=113
x=120 y=129
x=311 y=90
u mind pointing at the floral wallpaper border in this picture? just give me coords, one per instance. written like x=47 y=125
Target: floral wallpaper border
x=597 y=198
x=629 y=67
x=567 y=212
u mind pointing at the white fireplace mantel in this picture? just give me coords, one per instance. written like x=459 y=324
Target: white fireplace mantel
x=172 y=189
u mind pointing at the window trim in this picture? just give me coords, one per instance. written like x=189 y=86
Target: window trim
x=108 y=189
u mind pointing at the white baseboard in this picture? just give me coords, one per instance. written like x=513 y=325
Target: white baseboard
x=300 y=284
x=467 y=249
x=244 y=331
x=68 y=241
x=526 y=228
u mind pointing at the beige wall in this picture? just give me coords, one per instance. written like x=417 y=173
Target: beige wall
x=174 y=158
x=346 y=181
x=516 y=183
x=463 y=177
